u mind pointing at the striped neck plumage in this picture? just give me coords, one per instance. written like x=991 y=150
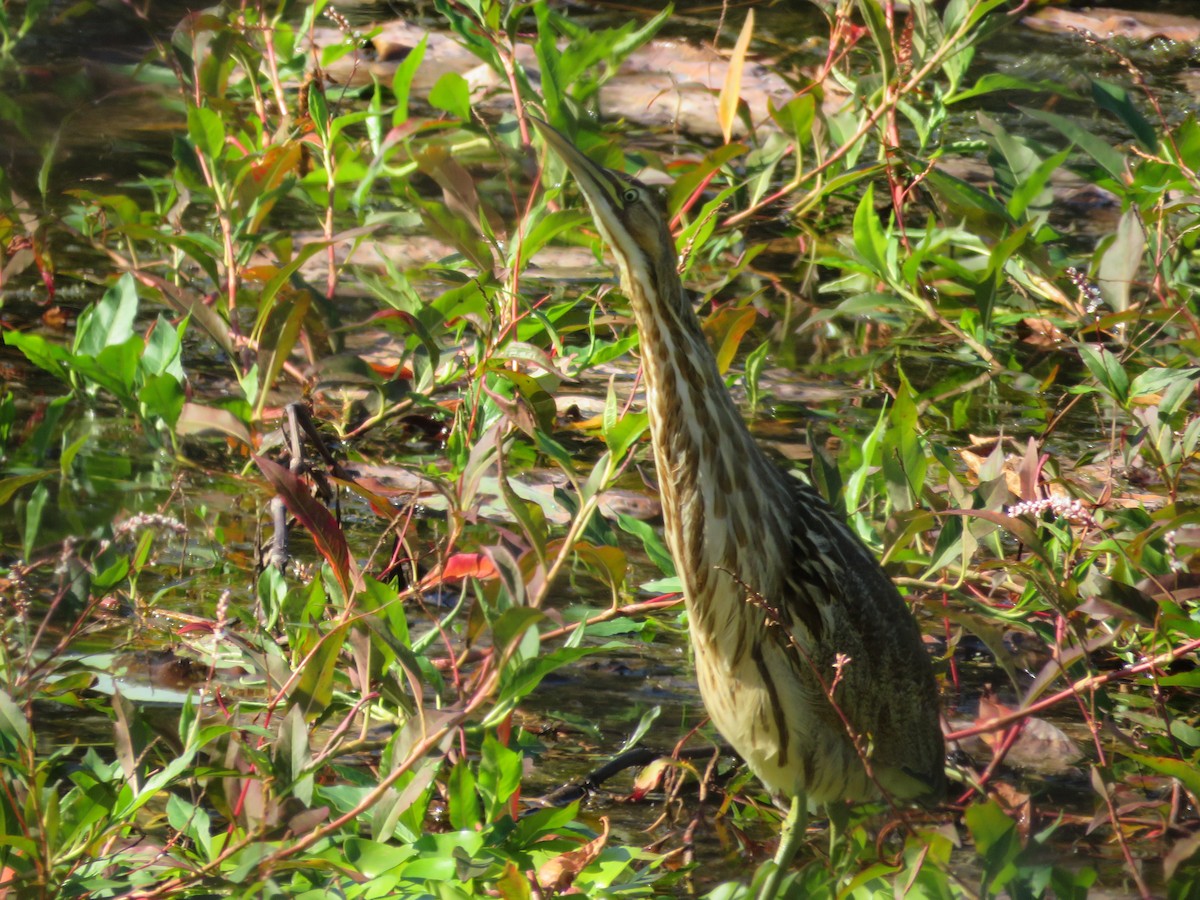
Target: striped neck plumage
x=711 y=472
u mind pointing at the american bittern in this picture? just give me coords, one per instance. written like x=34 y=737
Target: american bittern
x=809 y=662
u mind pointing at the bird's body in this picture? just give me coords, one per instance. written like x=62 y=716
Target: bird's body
x=778 y=589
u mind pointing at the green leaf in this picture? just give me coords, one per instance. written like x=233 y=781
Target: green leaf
x=110 y=321
x=162 y=397
x=651 y=542
x=207 y=131
x=991 y=82
x=9 y=486
x=314 y=690
x=1033 y=191
x=402 y=80
x=1118 y=101
x=499 y=777
x=963 y=202
x=1109 y=159
x=1121 y=260
x=114 y=368
x=14 y=727
x=1176 y=386
x=513 y=623
x=795 y=117
x=47 y=356
x=1106 y=369
x=520 y=680
x=904 y=462
x=463 y=797
x=1187 y=773
x=547 y=227
x=318 y=112
x=997 y=841
x=293 y=309
x=452 y=94
x=549 y=58
x=162 y=354
x=624 y=432
x=869 y=238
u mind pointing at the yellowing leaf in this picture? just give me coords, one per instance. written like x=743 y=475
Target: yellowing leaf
x=725 y=329
x=731 y=90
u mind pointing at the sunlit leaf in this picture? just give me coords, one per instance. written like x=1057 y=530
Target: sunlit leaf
x=452 y=94
x=402 y=80
x=1121 y=260
x=725 y=330
x=206 y=131
x=110 y=321
x=1107 y=369
x=727 y=102
x=1188 y=773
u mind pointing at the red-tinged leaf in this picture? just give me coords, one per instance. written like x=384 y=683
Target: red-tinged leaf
x=259 y=274
x=391 y=371
x=463 y=565
x=317 y=521
x=197 y=419
x=649 y=778
x=380 y=505
x=196 y=628
x=990 y=708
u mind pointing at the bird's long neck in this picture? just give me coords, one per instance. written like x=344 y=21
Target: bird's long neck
x=711 y=472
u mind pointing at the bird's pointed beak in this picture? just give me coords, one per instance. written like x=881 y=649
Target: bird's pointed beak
x=598 y=185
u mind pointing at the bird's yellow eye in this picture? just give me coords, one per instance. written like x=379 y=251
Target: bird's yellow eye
x=630 y=195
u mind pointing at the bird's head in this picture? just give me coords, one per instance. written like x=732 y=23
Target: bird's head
x=630 y=216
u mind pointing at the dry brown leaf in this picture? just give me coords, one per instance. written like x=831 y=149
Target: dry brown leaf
x=559 y=874
x=1043 y=334
x=55 y=318
x=1017 y=802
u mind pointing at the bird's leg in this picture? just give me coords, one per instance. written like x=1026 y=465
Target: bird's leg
x=790 y=838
